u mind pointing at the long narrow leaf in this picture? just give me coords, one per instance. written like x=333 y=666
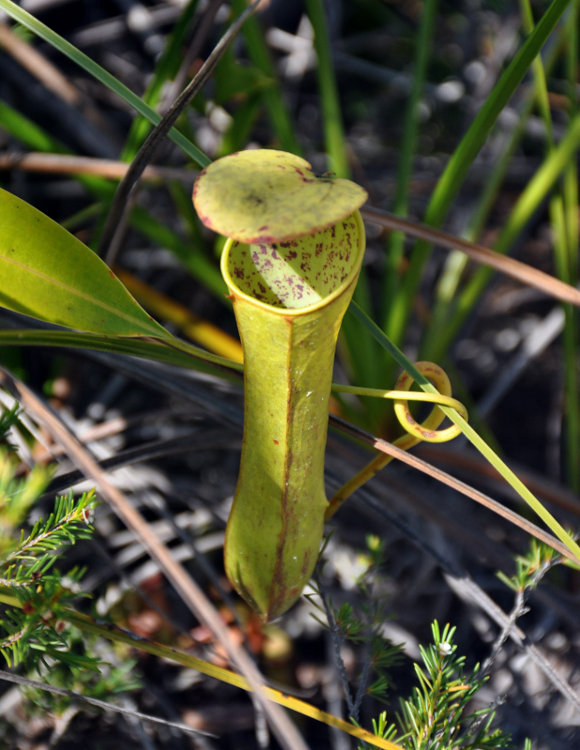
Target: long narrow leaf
x=452 y=178
x=169 y=350
x=272 y=94
x=535 y=192
x=108 y=80
x=332 y=116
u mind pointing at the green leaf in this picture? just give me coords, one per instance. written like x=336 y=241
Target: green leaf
x=48 y=274
x=171 y=350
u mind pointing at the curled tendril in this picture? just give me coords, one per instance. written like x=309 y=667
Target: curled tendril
x=427 y=430
x=415 y=431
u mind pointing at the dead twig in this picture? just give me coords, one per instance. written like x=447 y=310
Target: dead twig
x=107 y=168
x=479 y=253
x=456 y=484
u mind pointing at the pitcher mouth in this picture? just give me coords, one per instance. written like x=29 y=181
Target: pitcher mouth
x=298 y=275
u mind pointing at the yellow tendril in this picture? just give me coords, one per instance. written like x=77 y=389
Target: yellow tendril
x=415 y=431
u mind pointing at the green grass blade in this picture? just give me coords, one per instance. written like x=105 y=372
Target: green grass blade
x=165 y=69
x=272 y=94
x=25 y=130
x=103 y=76
x=331 y=112
x=536 y=191
x=449 y=281
x=452 y=178
x=394 y=253
x=456 y=263
x=168 y=350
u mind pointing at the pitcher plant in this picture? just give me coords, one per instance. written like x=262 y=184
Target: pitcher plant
x=291 y=263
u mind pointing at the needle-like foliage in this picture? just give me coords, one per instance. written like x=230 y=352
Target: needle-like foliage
x=32 y=590
x=438 y=714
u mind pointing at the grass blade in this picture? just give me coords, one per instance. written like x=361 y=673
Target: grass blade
x=95 y=70
x=535 y=192
x=272 y=94
x=168 y=350
x=331 y=114
x=452 y=178
x=394 y=253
